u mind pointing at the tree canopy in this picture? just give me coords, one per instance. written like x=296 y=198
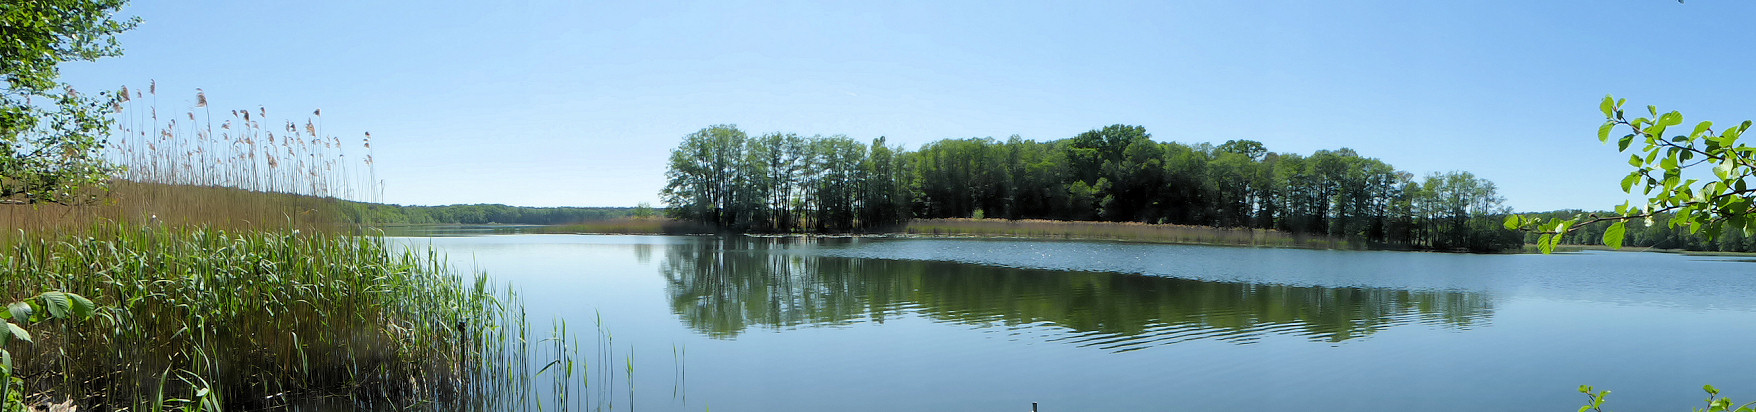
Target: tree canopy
x=50 y=134
x=784 y=182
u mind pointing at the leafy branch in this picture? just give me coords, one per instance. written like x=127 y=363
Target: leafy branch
x=1709 y=207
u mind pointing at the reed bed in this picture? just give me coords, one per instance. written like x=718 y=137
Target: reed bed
x=230 y=272
x=1123 y=231
x=235 y=169
x=257 y=318
x=232 y=268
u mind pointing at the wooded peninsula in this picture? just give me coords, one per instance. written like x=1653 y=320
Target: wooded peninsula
x=783 y=182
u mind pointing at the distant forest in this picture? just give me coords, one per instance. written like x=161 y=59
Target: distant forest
x=372 y=213
x=788 y=183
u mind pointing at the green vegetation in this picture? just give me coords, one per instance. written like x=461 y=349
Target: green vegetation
x=1595 y=401
x=51 y=152
x=1654 y=233
x=254 y=318
x=1667 y=171
x=1684 y=208
x=782 y=182
x=214 y=272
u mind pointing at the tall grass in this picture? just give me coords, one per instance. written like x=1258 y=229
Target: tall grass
x=259 y=318
x=229 y=274
x=232 y=269
x=1125 y=231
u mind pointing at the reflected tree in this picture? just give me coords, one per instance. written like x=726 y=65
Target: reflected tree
x=725 y=286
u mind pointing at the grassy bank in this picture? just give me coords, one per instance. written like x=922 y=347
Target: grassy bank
x=183 y=205
x=250 y=319
x=1134 y=232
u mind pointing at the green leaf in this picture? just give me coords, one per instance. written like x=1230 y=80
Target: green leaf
x=20 y=311
x=1513 y=222
x=1700 y=128
x=18 y=332
x=1670 y=119
x=1544 y=245
x=1622 y=145
x=1614 y=235
x=1608 y=106
x=1628 y=182
x=82 y=308
x=57 y=303
x=1724 y=169
x=1603 y=132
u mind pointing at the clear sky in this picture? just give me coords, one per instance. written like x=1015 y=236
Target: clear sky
x=571 y=103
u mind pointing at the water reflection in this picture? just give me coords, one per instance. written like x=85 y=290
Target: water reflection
x=722 y=287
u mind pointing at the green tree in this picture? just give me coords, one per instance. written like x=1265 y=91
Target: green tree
x=702 y=178
x=643 y=210
x=50 y=134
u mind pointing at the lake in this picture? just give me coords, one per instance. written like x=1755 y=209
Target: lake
x=874 y=324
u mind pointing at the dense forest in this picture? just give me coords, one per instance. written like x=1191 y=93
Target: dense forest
x=784 y=182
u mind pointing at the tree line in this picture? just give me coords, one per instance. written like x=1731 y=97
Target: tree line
x=373 y=213
x=783 y=182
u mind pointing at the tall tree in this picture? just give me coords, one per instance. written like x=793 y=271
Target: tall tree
x=50 y=152
x=702 y=180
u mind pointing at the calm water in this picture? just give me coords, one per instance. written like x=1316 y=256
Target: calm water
x=745 y=324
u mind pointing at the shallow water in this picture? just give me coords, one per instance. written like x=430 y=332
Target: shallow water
x=961 y=325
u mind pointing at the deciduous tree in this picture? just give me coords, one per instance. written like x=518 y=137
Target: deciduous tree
x=50 y=134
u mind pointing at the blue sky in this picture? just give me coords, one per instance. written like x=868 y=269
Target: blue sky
x=577 y=104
